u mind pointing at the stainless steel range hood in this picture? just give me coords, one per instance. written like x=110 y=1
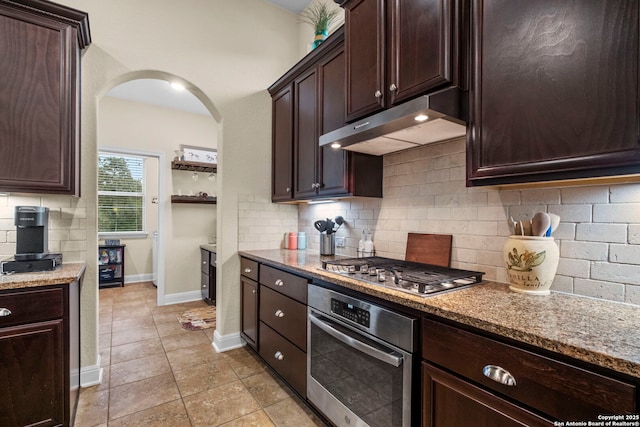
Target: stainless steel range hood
x=399 y=128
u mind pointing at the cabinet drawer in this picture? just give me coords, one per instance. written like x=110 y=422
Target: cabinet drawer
x=285 y=315
x=563 y=391
x=32 y=306
x=249 y=268
x=204 y=261
x=286 y=283
x=285 y=358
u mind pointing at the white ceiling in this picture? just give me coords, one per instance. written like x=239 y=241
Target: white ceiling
x=160 y=93
x=295 y=6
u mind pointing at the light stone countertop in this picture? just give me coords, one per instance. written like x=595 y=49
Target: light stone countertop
x=209 y=247
x=599 y=332
x=63 y=274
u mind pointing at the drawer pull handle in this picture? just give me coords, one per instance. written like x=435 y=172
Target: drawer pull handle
x=204 y=262
x=247 y=270
x=499 y=375
x=4 y=312
x=279 y=282
x=279 y=313
x=278 y=355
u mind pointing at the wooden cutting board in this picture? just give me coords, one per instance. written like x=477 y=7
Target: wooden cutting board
x=429 y=249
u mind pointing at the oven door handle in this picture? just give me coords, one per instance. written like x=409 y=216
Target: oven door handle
x=391 y=358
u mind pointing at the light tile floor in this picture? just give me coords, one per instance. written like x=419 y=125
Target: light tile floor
x=158 y=374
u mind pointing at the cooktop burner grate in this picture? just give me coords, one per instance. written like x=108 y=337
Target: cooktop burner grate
x=414 y=278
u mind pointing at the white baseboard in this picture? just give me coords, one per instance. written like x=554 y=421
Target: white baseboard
x=227 y=342
x=91 y=375
x=135 y=278
x=182 y=297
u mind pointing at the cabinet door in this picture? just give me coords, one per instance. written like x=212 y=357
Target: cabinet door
x=32 y=375
x=365 y=57
x=249 y=321
x=450 y=401
x=305 y=135
x=332 y=162
x=282 y=146
x=555 y=90
x=38 y=104
x=422 y=36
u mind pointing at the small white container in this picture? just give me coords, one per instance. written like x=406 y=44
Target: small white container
x=302 y=240
x=531 y=263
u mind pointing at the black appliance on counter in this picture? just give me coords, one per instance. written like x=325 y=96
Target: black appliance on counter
x=410 y=277
x=32 y=240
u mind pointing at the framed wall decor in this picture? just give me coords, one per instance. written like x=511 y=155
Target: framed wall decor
x=199 y=154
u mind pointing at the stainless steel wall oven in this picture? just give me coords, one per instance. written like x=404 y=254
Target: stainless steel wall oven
x=360 y=360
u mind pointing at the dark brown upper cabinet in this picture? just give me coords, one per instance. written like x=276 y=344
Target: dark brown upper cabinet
x=282 y=144
x=309 y=101
x=40 y=43
x=554 y=92
x=399 y=49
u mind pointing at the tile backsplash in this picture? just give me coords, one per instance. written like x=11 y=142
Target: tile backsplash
x=67 y=224
x=425 y=192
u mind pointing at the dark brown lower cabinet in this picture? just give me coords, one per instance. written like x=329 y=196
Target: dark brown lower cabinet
x=208 y=276
x=39 y=356
x=249 y=319
x=472 y=379
x=284 y=357
x=32 y=361
x=450 y=401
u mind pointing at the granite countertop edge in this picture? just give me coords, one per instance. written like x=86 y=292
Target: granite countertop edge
x=599 y=332
x=63 y=274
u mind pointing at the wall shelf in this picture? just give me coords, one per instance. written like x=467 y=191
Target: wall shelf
x=184 y=165
x=210 y=200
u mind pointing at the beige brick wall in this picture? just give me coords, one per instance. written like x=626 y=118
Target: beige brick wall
x=262 y=224
x=424 y=191
x=67 y=224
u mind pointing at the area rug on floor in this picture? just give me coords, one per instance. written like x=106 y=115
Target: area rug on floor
x=198 y=318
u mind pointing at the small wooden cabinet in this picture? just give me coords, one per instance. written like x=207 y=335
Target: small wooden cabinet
x=473 y=379
x=399 y=49
x=555 y=91
x=308 y=101
x=40 y=43
x=249 y=299
x=274 y=319
x=39 y=355
x=111 y=265
x=208 y=276
x=283 y=325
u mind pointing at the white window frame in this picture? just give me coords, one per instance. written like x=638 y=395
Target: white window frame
x=142 y=234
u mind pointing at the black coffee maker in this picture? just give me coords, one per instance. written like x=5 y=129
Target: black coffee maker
x=32 y=223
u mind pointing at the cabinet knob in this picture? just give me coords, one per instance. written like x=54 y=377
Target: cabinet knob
x=279 y=355
x=4 y=312
x=279 y=282
x=378 y=94
x=204 y=286
x=204 y=262
x=288 y=190
x=253 y=291
x=393 y=87
x=279 y=313
x=247 y=270
x=499 y=374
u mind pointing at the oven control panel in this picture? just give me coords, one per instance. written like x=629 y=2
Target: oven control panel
x=349 y=311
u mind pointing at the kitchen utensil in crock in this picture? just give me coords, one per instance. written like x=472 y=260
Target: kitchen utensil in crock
x=555 y=221
x=320 y=225
x=540 y=223
x=329 y=226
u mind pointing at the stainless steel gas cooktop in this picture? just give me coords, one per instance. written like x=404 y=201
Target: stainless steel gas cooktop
x=411 y=277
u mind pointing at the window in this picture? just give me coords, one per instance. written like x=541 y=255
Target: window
x=120 y=193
